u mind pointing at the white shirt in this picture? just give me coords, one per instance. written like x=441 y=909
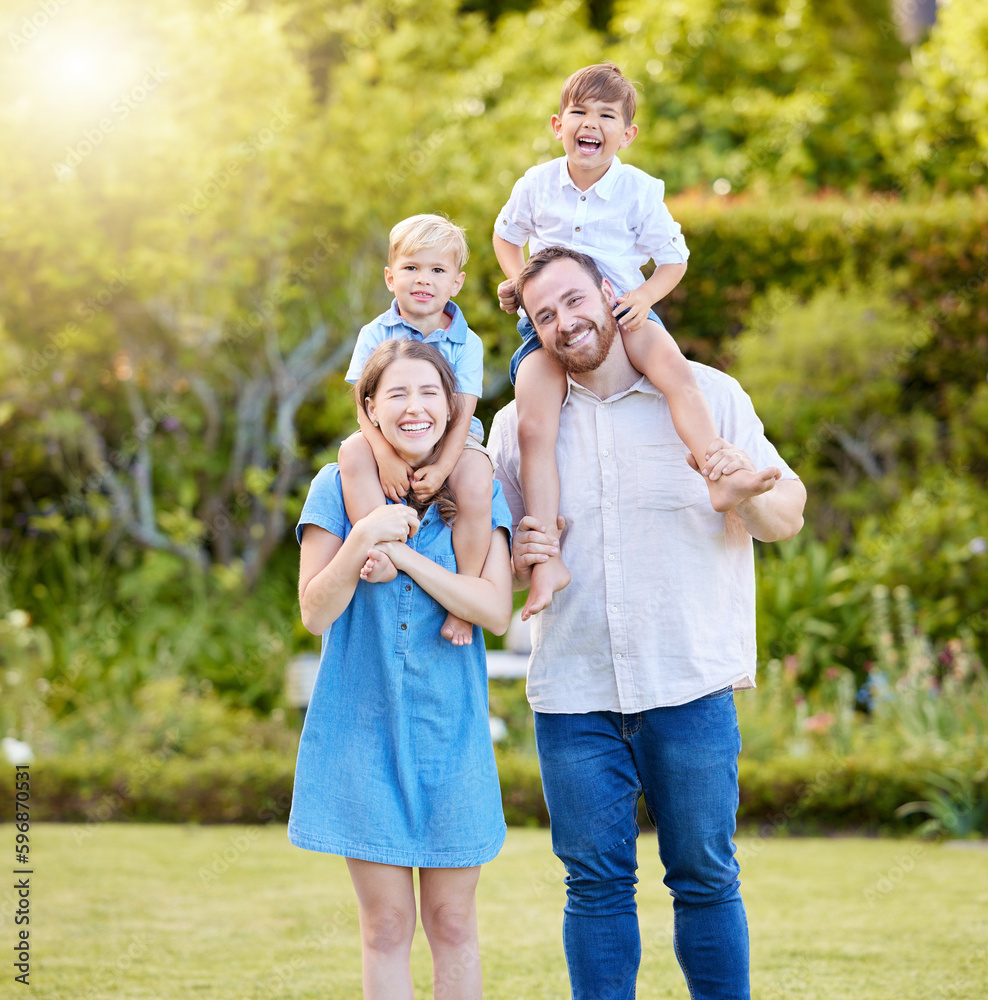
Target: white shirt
x=661 y=608
x=621 y=220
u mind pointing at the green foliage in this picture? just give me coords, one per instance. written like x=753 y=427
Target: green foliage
x=936 y=134
x=827 y=379
x=195 y=205
x=930 y=255
x=759 y=93
x=933 y=543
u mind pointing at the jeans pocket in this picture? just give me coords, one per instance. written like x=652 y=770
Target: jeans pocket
x=717 y=694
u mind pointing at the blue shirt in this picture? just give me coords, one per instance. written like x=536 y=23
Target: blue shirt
x=458 y=344
x=395 y=763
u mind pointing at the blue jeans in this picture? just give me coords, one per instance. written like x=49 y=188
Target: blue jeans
x=684 y=760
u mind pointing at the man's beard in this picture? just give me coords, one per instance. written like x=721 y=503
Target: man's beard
x=577 y=364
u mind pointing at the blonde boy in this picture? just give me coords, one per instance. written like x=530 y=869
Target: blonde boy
x=589 y=201
x=426 y=255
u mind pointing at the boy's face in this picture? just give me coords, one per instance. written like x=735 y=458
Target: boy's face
x=423 y=282
x=591 y=132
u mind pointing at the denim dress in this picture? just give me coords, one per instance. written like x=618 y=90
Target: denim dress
x=395 y=763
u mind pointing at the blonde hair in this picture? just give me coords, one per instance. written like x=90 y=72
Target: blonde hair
x=600 y=82
x=423 y=232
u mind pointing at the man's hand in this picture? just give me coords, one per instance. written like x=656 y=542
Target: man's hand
x=531 y=545
x=395 y=475
x=732 y=477
x=427 y=481
x=507 y=296
x=637 y=305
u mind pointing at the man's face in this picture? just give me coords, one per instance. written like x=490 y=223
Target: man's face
x=571 y=315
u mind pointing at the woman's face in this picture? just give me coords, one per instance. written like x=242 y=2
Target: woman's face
x=410 y=408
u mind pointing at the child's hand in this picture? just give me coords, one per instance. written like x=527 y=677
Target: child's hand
x=427 y=481
x=395 y=476
x=507 y=296
x=637 y=305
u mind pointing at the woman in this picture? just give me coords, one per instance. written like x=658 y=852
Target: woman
x=395 y=765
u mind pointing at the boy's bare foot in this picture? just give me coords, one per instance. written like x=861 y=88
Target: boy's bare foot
x=459 y=632
x=378 y=568
x=727 y=491
x=547 y=578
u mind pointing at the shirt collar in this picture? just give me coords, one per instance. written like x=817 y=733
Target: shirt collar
x=603 y=187
x=456 y=332
x=642 y=385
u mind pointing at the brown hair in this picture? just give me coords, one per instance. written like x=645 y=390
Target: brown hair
x=600 y=82
x=539 y=261
x=370 y=379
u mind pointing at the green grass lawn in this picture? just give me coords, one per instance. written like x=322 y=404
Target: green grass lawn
x=236 y=913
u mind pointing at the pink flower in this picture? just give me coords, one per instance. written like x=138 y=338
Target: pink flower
x=819 y=723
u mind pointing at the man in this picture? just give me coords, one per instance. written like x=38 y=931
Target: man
x=634 y=663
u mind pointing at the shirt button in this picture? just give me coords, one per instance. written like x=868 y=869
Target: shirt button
x=605 y=453
x=408 y=586
x=608 y=505
x=577 y=229
x=610 y=557
x=583 y=197
x=675 y=238
x=614 y=610
x=403 y=626
x=617 y=656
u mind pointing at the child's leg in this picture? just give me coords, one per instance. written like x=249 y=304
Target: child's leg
x=386 y=907
x=449 y=918
x=540 y=388
x=361 y=483
x=472 y=481
x=654 y=353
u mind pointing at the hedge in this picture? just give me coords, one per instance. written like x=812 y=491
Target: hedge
x=811 y=794
x=937 y=250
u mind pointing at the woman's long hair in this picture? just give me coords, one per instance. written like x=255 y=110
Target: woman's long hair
x=367 y=386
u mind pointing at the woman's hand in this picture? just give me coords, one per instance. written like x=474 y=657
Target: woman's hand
x=388 y=523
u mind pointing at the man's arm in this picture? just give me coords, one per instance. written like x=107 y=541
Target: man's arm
x=775 y=516
x=771 y=513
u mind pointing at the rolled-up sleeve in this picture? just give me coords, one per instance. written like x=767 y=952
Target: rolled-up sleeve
x=742 y=427
x=516 y=221
x=660 y=236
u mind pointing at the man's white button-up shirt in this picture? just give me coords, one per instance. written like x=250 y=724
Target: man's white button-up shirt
x=661 y=608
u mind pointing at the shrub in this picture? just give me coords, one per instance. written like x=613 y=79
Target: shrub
x=819 y=792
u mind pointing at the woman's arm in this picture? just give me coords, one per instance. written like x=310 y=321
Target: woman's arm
x=329 y=567
x=483 y=600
